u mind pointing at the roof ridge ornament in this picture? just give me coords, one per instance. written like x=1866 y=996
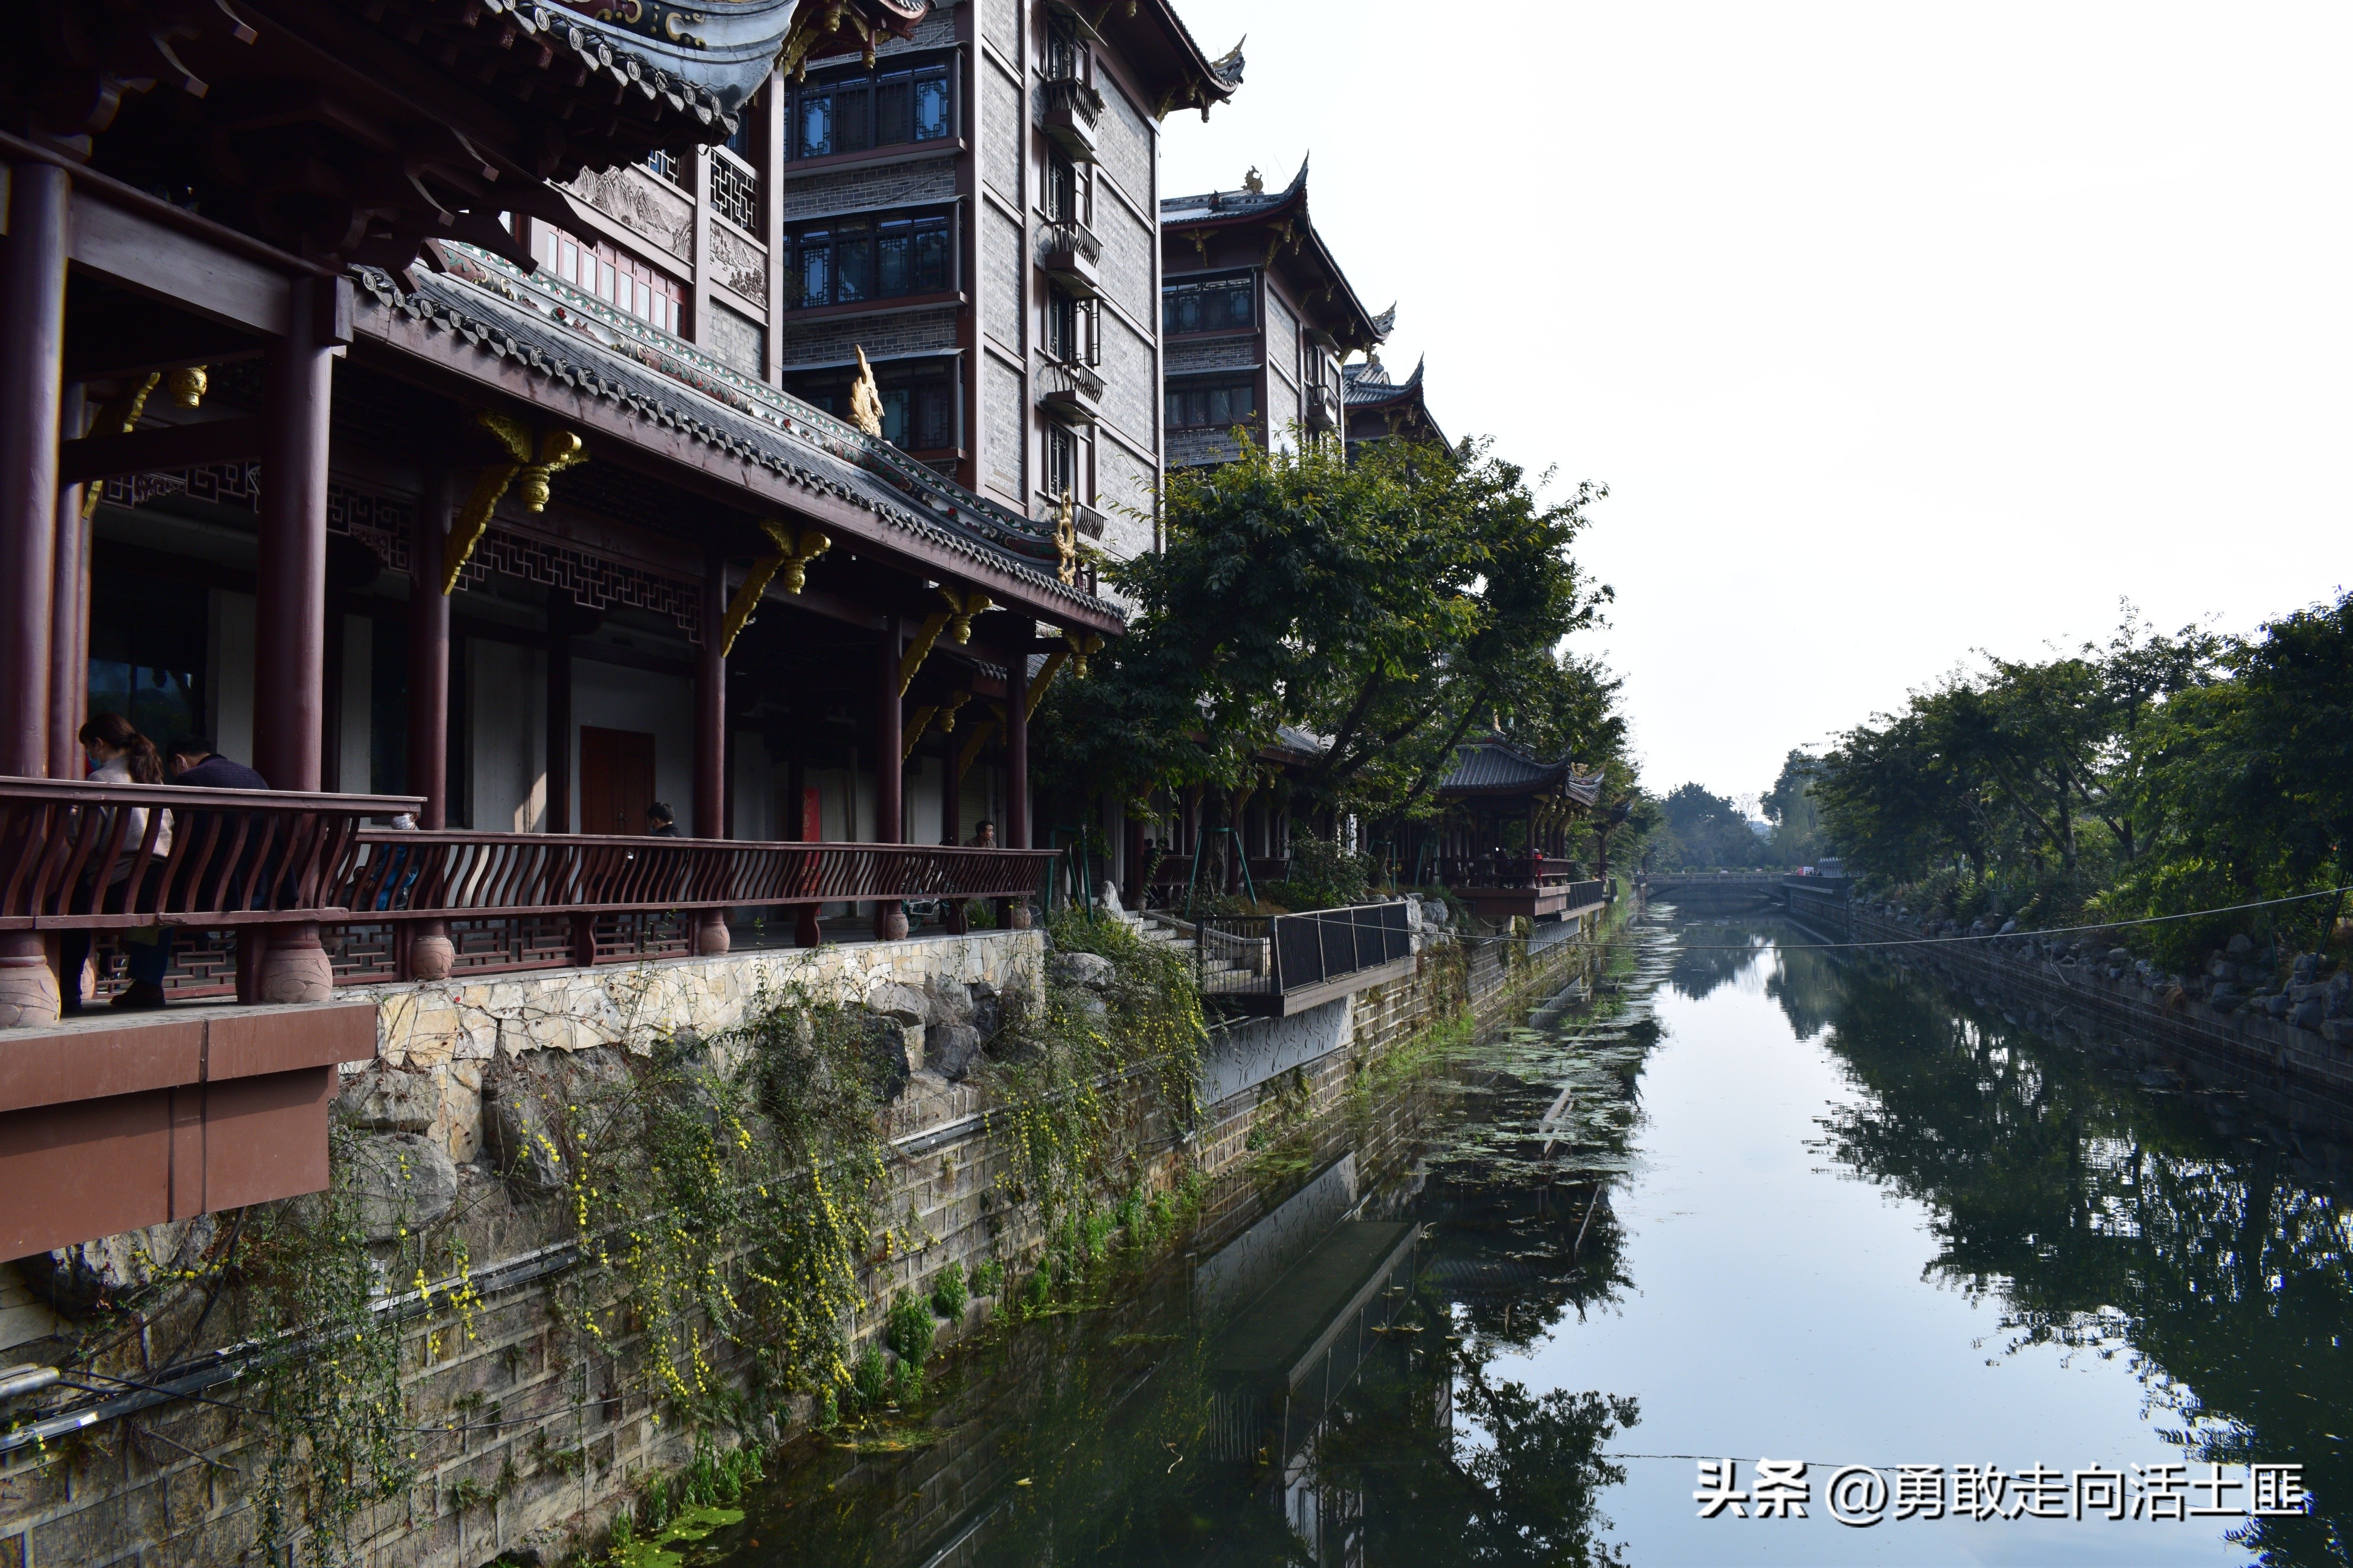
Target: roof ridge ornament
x=865 y=396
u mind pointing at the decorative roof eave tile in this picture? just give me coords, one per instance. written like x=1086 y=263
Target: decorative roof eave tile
x=831 y=469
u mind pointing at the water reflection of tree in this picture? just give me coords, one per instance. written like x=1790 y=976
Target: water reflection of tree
x=1713 y=956
x=2105 y=1219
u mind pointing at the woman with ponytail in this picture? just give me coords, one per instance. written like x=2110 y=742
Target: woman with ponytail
x=118 y=754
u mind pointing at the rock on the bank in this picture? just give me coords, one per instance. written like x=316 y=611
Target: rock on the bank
x=401 y=1180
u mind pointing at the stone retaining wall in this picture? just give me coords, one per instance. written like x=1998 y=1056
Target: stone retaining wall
x=572 y=1436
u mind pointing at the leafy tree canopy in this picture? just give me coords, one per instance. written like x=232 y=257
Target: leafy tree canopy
x=1386 y=603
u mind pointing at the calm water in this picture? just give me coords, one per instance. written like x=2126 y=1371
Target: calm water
x=1784 y=1209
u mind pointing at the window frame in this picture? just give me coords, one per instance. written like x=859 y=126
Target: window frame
x=830 y=235
x=1242 y=286
x=1205 y=387
x=865 y=89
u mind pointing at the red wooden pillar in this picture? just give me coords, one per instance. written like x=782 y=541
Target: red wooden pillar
x=70 y=618
x=1016 y=912
x=711 y=737
x=431 y=954
x=290 y=594
x=889 y=771
x=32 y=387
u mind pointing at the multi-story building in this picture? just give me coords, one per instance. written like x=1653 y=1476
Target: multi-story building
x=1259 y=319
x=1379 y=409
x=973 y=207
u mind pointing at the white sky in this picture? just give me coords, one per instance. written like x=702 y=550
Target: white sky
x=1895 y=331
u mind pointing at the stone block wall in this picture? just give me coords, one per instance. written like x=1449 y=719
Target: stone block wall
x=538 y=1440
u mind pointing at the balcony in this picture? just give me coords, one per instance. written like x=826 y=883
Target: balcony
x=1320 y=408
x=1074 y=258
x=1278 y=966
x=1070 y=390
x=1499 y=888
x=1072 y=110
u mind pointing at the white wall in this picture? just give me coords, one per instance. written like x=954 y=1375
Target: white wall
x=756 y=783
x=229 y=675
x=356 y=757
x=610 y=697
x=507 y=690
x=927 y=797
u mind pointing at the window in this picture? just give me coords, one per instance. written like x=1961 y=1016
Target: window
x=615 y=277
x=1218 y=305
x=665 y=164
x=1215 y=405
x=1061 y=463
x=846 y=260
x=1063 y=56
x=1062 y=189
x=1062 y=327
x=919 y=401
x=734 y=191
x=855 y=113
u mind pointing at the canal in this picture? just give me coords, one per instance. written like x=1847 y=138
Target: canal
x=1764 y=1202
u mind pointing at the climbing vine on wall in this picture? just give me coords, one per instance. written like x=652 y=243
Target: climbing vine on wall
x=726 y=1190
x=335 y=1437
x=1088 y=1072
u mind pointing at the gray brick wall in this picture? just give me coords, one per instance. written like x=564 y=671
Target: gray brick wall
x=829 y=342
x=1123 y=480
x=1005 y=419
x=1000 y=133
x=1127 y=246
x=1281 y=338
x=734 y=338
x=1000 y=269
x=1000 y=24
x=1123 y=142
x=1130 y=387
x=1217 y=353
x=894 y=184
x=1189 y=448
x=1281 y=412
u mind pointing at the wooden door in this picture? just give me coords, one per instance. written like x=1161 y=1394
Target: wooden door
x=617 y=780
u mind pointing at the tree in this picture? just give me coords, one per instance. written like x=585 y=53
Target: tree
x=1791 y=807
x=1386 y=604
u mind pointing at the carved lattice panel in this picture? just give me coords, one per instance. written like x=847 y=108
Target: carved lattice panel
x=591 y=580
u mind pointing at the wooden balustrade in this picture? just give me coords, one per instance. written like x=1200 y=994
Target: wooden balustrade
x=483 y=902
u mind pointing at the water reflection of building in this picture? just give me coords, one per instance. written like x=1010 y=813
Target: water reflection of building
x=1303 y=1322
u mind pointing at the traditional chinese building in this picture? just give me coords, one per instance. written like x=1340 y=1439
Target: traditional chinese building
x=402 y=397
x=1500 y=843
x=1259 y=319
x=1379 y=409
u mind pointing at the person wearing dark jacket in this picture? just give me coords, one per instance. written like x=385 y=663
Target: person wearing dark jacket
x=194 y=763
x=660 y=821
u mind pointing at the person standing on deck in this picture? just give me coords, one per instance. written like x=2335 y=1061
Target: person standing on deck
x=120 y=755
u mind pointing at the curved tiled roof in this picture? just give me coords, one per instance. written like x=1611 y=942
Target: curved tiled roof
x=1497 y=767
x=666 y=382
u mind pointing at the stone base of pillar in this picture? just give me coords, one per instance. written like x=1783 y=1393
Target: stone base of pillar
x=431 y=954
x=807 y=932
x=295 y=967
x=1016 y=914
x=711 y=937
x=29 y=987
x=889 y=921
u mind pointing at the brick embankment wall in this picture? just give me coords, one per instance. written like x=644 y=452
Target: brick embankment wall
x=2298 y=1075
x=556 y=1431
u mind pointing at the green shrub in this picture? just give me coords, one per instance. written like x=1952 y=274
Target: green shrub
x=907 y=1384
x=871 y=1380
x=987 y=1276
x=909 y=1329
x=949 y=1295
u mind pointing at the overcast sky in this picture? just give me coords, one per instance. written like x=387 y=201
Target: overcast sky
x=1895 y=331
